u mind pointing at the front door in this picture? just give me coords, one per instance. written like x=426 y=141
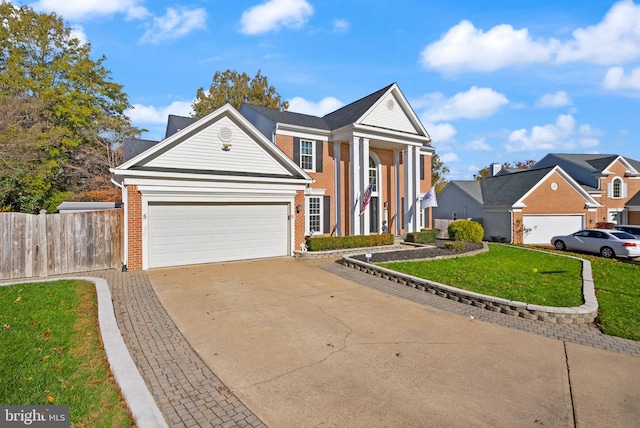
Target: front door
x=374 y=216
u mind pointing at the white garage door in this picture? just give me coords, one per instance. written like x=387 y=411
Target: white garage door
x=544 y=227
x=183 y=234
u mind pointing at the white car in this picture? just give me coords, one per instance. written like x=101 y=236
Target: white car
x=608 y=243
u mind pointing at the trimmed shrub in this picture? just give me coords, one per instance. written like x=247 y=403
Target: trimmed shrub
x=423 y=237
x=457 y=246
x=325 y=243
x=466 y=231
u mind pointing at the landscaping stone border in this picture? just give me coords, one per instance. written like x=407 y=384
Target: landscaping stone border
x=583 y=314
x=311 y=255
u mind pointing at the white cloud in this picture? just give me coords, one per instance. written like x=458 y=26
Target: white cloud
x=449 y=157
x=617 y=79
x=175 y=24
x=80 y=9
x=478 y=144
x=614 y=40
x=141 y=114
x=557 y=99
x=466 y=48
x=561 y=135
x=324 y=106
x=274 y=14
x=473 y=104
x=441 y=132
x=78 y=32
x=340 y=26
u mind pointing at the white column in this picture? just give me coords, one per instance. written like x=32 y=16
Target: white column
x=408 y=189
x=397 y=206
x=416 y=187
x=337 y=182
x=354 y=190
x=364 y=174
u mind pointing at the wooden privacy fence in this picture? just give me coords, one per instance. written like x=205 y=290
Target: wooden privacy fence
x=54 y=244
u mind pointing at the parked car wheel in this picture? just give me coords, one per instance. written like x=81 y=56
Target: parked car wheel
x=559 y=245
x=607 y=252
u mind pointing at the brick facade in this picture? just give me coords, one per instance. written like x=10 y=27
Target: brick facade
x=134 y=228
x=609 y=203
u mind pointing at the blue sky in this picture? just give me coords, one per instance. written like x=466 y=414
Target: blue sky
x=492 y=81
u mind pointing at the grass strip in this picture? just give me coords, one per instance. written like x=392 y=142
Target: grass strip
x=507 y=272
x=52 y=354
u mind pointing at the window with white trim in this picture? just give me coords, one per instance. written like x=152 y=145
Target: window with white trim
x=313 y=219
x=307 y=157
x=616 y=186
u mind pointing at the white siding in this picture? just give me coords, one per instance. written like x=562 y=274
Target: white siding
x=389 y=118
x=203 y=151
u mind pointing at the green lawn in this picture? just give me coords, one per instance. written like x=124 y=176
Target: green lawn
x=51 y=353
x=544 y=279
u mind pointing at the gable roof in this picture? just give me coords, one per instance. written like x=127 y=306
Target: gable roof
x=634 y=201
x=596 y=163
x=195 y=150
x=350 y=114
x=507 y=189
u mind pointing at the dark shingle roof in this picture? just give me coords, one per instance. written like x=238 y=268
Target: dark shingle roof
x=343 y=116
x=593 y=162
x=352 y=112
x=507 y=189
x=177 y=123
x=132 y=147
x=291 y=118
x=634 y=201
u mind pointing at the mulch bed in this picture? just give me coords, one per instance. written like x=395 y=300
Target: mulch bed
x=419 y=253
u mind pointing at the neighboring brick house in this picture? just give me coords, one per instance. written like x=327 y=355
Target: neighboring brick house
x=526 y=206
x=613 y=180
x=252 y=184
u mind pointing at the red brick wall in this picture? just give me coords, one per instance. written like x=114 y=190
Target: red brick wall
x=134 y=230
x=633 y=186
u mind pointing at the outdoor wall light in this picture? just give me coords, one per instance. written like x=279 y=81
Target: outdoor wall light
x=226 y=147
x=298 y=208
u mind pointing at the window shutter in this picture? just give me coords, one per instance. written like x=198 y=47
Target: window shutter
x=610 y=190
x=624 y=190
x=296 y=150
x=319 y=154
x=421 y=167
x=326 y=214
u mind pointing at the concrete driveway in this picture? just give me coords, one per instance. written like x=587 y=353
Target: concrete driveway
x=303 y=347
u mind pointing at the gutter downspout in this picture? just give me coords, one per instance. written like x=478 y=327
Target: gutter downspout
x=125 y=256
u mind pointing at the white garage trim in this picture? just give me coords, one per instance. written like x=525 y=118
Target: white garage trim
x=192 y=233
x=539 y=229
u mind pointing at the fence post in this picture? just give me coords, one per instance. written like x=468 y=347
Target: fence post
x=43 y=250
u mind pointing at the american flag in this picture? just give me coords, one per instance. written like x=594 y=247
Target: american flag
x=366 y=197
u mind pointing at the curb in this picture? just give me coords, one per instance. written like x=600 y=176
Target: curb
x=143 y=407
x=583 y=314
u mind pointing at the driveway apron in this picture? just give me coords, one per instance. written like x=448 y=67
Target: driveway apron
x=301 y=346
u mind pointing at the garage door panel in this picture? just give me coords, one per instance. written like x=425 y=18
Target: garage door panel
x=181 y=234
x=543 y=227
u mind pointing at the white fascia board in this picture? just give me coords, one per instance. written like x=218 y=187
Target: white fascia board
x=623 y=161
x=373 y=133
x=302 y=132
x=129 y=175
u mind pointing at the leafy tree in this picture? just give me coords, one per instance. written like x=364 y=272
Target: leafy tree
x=438 y=173
x=231 y=87
x=486 y=171
x=70 y=109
